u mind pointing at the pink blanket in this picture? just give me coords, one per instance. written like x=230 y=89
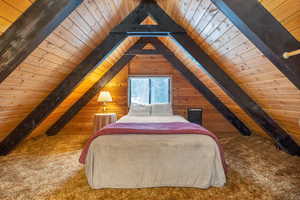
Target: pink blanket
x=151 y=128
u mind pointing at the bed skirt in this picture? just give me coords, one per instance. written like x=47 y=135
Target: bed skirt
x=139 y=161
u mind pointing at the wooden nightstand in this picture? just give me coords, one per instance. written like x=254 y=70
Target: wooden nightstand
x=103 y=119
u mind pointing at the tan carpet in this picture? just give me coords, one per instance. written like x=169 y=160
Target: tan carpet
x=48 y=168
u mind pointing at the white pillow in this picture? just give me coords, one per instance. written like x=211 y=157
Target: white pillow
x=139 y=110
x=161 y=110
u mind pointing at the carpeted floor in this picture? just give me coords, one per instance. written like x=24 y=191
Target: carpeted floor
x=48 y=168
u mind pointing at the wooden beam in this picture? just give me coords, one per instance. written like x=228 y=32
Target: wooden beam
x=60 y=92
x=282 y=139
x=162 y=18
x=147 y=8
x=145 y=52
x=23 y=36
x=137 y=16
x=94 y=90
x=265 y=32
x=211 y=98
x=138 y=28
x=148 y=34
x=54 y=129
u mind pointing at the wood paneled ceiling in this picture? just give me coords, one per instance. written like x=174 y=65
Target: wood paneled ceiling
x=90 y=23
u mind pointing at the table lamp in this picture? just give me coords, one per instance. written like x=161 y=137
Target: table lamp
x=104 y=97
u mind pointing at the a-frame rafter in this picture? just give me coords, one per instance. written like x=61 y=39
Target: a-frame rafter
x=200 y=86
x=138 y=48
x=76 y=107
x=265 y=32
x=282 y=139
x=132 y=24
x=65 y=88
x=30 y=30
x=94 y=90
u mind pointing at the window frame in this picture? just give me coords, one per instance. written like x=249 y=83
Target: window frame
x=149 y=77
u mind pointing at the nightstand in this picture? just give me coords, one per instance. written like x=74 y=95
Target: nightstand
x=103 y=119
x=195 y=115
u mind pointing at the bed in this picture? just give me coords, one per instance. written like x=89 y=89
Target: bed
x=156 y=160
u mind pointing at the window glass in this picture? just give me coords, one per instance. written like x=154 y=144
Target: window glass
x=149 y=90
x=140 y=90
x=159 y=90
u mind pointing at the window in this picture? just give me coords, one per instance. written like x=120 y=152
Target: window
x=149 y=90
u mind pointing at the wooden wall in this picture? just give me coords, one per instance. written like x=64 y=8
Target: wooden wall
x=184 y=96
x=287 y=12
x=213 y=86
x=83 y=87
x=86 y=27
x=241 y=60
x=10 y=11
x=57 y=56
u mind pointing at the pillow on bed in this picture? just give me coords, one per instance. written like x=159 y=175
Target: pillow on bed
x=139 y=110
x=162 y=110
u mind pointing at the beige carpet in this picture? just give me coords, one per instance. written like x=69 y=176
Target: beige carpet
x=48 y=168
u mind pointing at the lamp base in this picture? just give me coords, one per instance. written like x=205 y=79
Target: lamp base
x=104 y=107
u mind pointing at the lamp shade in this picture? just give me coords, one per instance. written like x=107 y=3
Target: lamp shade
x=104 y=96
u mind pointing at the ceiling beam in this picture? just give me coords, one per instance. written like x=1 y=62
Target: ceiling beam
x=145 y=52
x=95 y=89
x=25 y=34
x=149 y=7
x=44 y=109
x=232 y=89
x=138 y=28
x=265 y=32
x=200 y=86
x=132 y=25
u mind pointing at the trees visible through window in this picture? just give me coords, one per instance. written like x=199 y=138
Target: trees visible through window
x=149 y=90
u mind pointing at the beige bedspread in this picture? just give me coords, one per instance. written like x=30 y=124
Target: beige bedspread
x=137 y=161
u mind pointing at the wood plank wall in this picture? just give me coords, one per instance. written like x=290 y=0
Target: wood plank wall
x=287 y=12
x=10 y=11
x=212 y=86
x=241 y=59
x=184 y=96
x=49 y=64
x=56 y=57
x=86 y=84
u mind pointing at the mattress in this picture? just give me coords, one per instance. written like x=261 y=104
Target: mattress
x=138 y=161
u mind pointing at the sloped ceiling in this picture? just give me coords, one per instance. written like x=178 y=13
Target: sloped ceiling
x=56 y=57
x=86 y=27
x=11 y=10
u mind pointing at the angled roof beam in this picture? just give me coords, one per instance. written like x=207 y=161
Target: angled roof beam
x=71 y=112
x=23 y=36
x=133 y=26
x=282 y=139
x=265 y=32
x=211 y=98
x=94 y=90
x=32 y=120
x=145 y=52
x=140 y=28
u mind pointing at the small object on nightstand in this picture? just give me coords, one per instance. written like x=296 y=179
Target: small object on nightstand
x=195 y=115
x=103 y=119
